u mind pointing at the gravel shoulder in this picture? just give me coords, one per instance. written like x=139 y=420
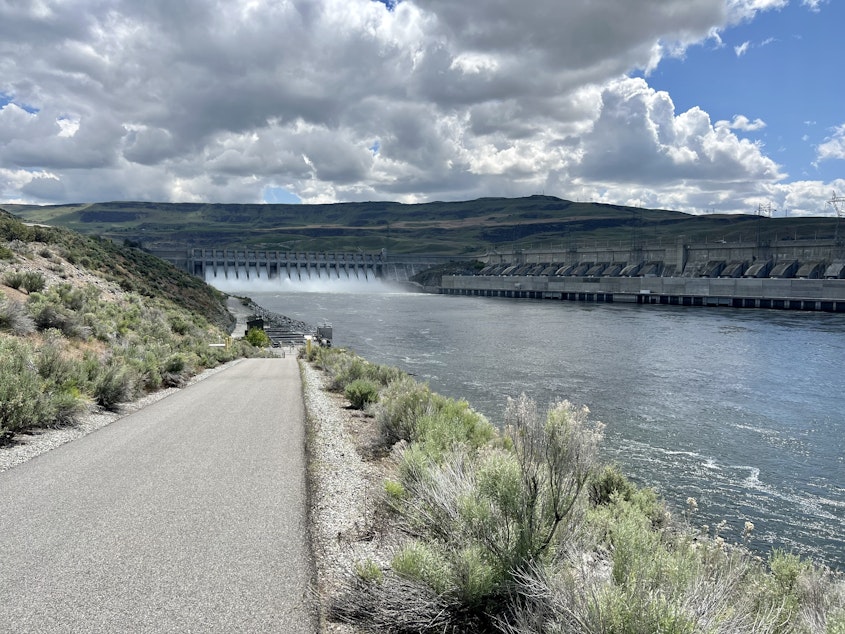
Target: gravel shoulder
x=345 y=487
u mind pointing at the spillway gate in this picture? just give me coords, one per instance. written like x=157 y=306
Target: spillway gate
x=247 y=264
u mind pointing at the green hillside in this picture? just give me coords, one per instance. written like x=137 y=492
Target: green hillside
x=467 y=227
x=86 y=324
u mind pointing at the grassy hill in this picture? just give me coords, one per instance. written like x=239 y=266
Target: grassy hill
x=466 y=227
x=85 y=323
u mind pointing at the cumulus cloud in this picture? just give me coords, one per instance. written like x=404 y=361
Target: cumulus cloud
x=834 y=146
x=201 y=100
x=741 y=122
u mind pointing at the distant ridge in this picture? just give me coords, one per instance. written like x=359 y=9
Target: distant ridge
x=459 y=227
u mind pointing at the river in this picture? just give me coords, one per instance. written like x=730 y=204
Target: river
x=740 y=409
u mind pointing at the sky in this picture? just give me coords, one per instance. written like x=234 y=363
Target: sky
x=703 y=106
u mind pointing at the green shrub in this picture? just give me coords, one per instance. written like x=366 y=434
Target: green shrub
x=400 y=406
x=485 y=515
x=384 y=374
x=394 y=490
x=47 y=315
x=781 y=590
x=21 y=388
x=625 y=611
x=112 y=386
x=420 y=562
x=6 y=253
x=55 y=367
x=73 y=298
x=14 y=279
x=175 y=370
x=32 y=282
x=179 y=325
x=257 y=337
x=14 y=317
x=607 y=483
x=447 y=423
x=361 y=393
x=148 y=369
x=64 y=406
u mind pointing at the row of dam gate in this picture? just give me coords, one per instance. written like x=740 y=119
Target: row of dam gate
x=284 y=264
x=249 y=264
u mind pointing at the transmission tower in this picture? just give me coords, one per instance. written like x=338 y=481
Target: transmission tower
x=838 y=204
x=763 y=210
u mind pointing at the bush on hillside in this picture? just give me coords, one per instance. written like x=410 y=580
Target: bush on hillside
x=21 y=388
x=361 y=393
x=13 y=279
x=401 y=405
x=482 y=512
x=344 y=367
x=175 y=370
x=27 y=281
x=257 y=337
x=113 y=385
x=14 y=317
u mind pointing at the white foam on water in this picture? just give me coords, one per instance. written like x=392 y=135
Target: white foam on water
x=246 y=282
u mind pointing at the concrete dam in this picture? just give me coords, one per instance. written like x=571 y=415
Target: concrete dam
x=247 y=264
x=786 y=274
x=207 y=263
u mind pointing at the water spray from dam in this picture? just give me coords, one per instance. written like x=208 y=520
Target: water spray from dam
x=310 y=281
x=237 y=270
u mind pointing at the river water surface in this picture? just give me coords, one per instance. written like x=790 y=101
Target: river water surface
x=744 y=410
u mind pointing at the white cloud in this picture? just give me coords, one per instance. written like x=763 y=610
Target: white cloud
x=741 y=122
x=639 y=138
x=739 y=10
x=833 y=147
x=813 y=5
x=68 y=126
x=807 y=198
x=742 y=49
x=201 y=100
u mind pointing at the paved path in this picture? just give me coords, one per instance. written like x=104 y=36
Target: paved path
x=241 y=313
x=187 y=516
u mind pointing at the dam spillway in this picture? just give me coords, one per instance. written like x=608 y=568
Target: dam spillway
x=250 y=265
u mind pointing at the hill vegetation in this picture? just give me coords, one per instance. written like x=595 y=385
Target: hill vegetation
x=524 y=531
x=85 y=324
x=453 y=228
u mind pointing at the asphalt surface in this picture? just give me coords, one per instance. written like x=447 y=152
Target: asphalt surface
x=186 y=516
